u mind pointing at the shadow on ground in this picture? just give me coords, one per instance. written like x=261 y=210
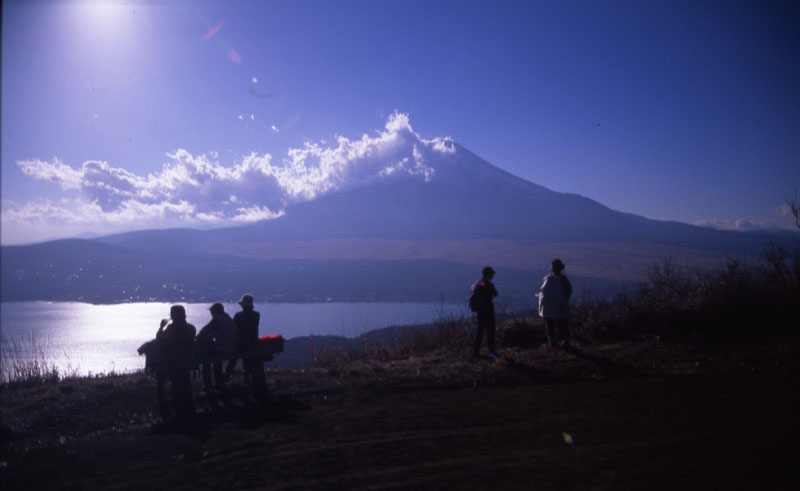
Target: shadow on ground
x=232 y=407
x=605 y=366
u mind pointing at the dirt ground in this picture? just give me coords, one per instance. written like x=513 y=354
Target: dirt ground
x=627 y=416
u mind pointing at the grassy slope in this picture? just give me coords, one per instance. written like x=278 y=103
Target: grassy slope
x=646 y=414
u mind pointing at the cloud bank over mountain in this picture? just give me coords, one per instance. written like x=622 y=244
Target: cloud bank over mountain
x=199 y=191
x=782 y=219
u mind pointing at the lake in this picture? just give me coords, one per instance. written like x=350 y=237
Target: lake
x=88 y=339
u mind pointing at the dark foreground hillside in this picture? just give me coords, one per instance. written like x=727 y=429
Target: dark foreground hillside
x=628 y=415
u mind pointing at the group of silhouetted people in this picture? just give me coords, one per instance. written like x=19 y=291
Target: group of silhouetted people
x=554 y=295
x=223 y=340
x=218 y=346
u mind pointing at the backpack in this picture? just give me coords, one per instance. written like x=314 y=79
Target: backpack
x=474 y=302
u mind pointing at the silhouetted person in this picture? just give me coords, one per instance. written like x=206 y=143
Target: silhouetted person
x=156 y=361
x=178 y=339
x=554 y=304
x=247 y=341
x=482 y=296
x=217 y=342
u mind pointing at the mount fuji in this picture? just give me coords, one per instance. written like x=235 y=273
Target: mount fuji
x=418 y=226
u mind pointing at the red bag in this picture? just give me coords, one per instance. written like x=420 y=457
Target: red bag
x=268 y=346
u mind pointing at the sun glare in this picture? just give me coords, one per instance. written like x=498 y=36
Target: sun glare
x=106 y=18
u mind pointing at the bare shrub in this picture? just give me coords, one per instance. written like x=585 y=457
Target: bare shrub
x=327 y=351
x=524 y=331
x=794 y=208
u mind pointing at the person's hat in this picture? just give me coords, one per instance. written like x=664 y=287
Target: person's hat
x=488 y=272
x=557 y=265
x=217 y=308
x=177 y=312
x=246 y=301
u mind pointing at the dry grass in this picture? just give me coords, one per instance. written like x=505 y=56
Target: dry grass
x=23 y=362
x=736 y=303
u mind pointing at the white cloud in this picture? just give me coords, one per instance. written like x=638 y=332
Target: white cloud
x=212 y=217
x=56 y=171
x=782 y=218
x=740 y=224
x=44 y=219
x=80 y=210
x=196 y=190
x=256 y=213
x=274 y=129
x=444 y=145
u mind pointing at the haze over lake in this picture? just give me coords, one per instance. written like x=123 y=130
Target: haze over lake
x=85 y=338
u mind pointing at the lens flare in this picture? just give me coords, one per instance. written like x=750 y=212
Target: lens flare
x=256 y=89
x=214 y=29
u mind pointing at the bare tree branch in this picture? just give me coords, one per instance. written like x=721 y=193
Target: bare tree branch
x=794 y=208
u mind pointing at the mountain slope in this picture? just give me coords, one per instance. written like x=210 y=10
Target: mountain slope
x=468 y=198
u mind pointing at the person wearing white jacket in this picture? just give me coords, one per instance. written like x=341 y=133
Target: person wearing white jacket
x=554 y=304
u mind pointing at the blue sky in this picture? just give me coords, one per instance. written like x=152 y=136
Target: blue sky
x=673 y=110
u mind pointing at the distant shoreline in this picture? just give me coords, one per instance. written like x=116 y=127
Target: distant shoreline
x=199 y=302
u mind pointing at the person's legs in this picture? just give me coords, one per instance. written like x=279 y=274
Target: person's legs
x=174 y=390
x=258 y=381
x=161 y=380
x=550 y=326
x=206 y=371
x=478 y=337
x=181 y=388
x=246 y=371
x=563 y=327
x=161 y=377
x=219 y=379
x=229 y=369
x=490 y=331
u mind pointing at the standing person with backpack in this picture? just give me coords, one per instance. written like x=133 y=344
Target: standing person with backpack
x=554 y=304
x=481 y=301
x=246 y=323
x=178 y=342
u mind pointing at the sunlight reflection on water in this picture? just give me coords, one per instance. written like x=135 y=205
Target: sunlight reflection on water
x=84 y=338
